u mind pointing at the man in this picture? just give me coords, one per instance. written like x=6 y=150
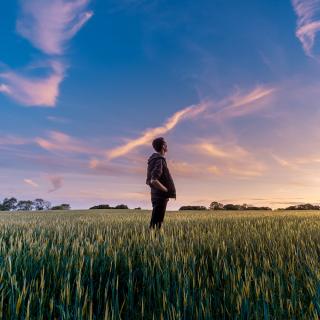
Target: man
x=160 y=181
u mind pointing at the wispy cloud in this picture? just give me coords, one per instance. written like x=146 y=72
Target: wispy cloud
x=284 y=162
x=59 y=141
x=34 y=91
x=254 y=95
x=227 y=107
x=50 y=24
x=14 y=140
x=228 y=151
x=244 y=172
x=56 y=181
x=31 y=182
x=185 y=169
x=104 y=167
x=4 y=88
x=308 y=23
x=239 y=103
x=230 y=159
x=58 y=119
x=149 y=134
x=297 y=163
x=213 y=150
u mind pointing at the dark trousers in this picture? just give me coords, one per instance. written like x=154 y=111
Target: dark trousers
x=159 y=206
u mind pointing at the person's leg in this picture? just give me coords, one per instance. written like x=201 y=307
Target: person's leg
x=153 y=214
x=161 y=212
x=159 y=207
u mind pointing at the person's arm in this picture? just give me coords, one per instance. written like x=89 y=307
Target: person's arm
x=157 y=184
x=156 y=174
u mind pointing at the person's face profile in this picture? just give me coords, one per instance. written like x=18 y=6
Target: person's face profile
x=165 y=147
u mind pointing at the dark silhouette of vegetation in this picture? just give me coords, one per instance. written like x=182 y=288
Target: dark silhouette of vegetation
x=219 y=206
x=121 y=206
x=106 y=206
x=9 y=204
x=101 y=206
x=193 y=208
x=12 y=204
x=216 y=206
x=306 y=206
x=40 y=204
x=24 y=205
x=231 y=206
x=63 y=206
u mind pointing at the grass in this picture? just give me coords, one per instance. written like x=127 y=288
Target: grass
x=106 y=264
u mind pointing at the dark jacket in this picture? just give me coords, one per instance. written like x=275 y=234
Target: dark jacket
x=158 y=170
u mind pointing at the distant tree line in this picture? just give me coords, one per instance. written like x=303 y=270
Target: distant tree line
x=241 y=207
x=219 y=206
x=193 y=208
x=106 y=206
x=306 y=206
x=13 y=204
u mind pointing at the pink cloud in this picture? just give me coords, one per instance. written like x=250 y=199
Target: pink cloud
x=58 y=119
x=149 y=134
x=31 y=182
x=59 y=141
x=213 y=150
x=56 y=182
x=14 y=140
x=33 y=91
x=186 y=169
x=229 y=158
x=284 y=162
x=4 y=89
x=308 y=23
x=254 y=95
x=106 y=168
x=50 y=24
x=227 y=150
x=240 y=104
x=234 y=105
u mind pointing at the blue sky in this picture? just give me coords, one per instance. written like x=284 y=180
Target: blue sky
x=233 y=86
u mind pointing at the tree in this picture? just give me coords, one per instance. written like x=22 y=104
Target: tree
x=231 y=206
x=100 y=206
x=40 y=204
x=25 y=205
x=216 y=206
x=193 y=208
x=9 y=204
x=63 y=206
x=47 y=205
x=258 y=208
x=305 y=206
x=121 y=206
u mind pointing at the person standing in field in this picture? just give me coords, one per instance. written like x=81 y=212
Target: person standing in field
x=160 y=181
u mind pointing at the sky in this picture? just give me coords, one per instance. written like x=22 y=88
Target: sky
x=233 y=87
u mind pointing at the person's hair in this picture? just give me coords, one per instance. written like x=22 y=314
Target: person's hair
x=158 y=143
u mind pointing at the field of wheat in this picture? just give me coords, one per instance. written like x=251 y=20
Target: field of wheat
x=106 y=264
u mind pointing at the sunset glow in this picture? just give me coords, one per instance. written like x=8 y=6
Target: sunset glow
x=85 y=86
